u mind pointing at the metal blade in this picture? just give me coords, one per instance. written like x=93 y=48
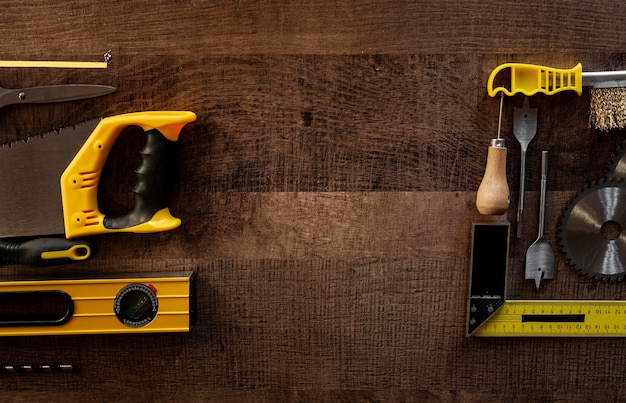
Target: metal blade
x=52 y=93
x=30 y=173
x=525 y=124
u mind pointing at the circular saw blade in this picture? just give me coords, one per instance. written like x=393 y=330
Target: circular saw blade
x=617 y=167
x=593 y=230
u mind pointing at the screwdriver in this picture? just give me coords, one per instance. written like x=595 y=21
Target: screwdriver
x=493 y=193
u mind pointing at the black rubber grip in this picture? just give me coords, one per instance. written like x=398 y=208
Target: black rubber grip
x=46 y=251
x=155 y=176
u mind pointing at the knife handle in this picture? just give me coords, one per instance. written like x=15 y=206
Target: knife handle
x=45 y=251
x=79 y=182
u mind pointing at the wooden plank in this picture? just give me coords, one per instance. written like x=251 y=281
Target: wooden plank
x=278 y=27
x=327 y=193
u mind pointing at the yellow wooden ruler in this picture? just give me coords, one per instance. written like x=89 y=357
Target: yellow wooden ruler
x=59 y=64
x=98 y=304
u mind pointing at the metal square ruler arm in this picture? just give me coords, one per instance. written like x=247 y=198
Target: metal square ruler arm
x=491 y=314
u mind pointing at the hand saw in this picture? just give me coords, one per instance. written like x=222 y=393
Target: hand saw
x=49 y=183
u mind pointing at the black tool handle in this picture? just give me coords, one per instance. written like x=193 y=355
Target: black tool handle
x=155 y=176
x=79 y=182
x=46 y=251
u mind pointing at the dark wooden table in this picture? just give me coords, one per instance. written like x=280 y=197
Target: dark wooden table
x=327 y=192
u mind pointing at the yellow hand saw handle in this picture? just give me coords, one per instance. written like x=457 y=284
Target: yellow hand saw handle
x=530 y=79
x=79 y=182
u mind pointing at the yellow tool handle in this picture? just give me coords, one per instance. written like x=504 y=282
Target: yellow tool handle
x=79 y=182
x=493 y=193
x=530 y=79
x=45 y=251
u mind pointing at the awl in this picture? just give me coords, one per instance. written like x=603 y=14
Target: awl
x=492 y=197
x=49 y=184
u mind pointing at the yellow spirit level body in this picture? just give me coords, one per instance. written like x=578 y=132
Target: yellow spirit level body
x=98 y=304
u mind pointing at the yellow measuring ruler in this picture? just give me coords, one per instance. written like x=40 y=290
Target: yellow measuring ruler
x=556 y=318
x=53 y=64
x=98 y=304
x=59 y=64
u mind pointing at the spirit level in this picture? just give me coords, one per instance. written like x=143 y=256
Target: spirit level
x=98 y=304
x=490 y=314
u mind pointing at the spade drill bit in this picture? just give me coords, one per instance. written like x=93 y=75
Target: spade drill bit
x=524 y=130
x=539 y=256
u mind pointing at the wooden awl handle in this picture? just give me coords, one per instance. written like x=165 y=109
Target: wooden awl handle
x=493 y=193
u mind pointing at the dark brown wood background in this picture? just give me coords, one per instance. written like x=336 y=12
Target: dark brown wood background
x=327 y=193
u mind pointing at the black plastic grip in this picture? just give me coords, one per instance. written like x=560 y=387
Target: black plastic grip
x=155 y=176
x=46 y=251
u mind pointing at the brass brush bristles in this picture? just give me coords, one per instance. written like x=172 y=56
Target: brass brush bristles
x=607 y=108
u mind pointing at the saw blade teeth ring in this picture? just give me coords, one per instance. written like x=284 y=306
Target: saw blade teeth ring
x=589 y=227
x=616 y=168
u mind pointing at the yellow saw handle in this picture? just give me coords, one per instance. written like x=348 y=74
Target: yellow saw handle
x=530 y=79
x=79 y=182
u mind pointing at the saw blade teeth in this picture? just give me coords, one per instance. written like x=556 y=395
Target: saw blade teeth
x=588 y=231
x=617 y=164
x=55 y=131
x=44 y=157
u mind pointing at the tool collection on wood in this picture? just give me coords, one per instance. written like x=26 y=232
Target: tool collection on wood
x=62 y=207
x=590 y=229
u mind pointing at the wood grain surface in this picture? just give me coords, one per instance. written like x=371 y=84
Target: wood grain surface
x=327 y=193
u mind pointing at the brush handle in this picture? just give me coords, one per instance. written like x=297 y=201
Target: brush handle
x=530 y=79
